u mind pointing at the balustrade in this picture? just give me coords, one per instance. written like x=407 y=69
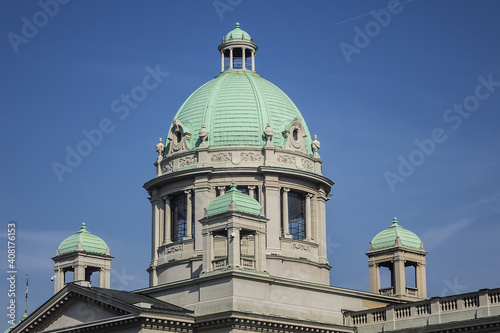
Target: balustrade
x=484 y=299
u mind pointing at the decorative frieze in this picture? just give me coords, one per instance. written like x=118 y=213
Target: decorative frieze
x=251 y=156
x=174 y=248
x=306 y=164
x=188 y=160
x=286 y=159
x=167 y=167
x=221 y=157
x=299 y=246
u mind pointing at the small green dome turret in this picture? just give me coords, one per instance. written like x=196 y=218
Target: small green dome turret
x=88 y=242
x=237 y=34
x=234 y=200
x=388 y=238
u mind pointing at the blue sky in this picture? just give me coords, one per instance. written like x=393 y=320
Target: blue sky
x=405 y=103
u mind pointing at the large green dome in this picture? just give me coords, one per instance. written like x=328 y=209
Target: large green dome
x=90 y=243
x=387 y=238
x=236 y=107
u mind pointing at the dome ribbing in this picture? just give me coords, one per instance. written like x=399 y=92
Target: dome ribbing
x=233 y=200
x=236 y=107
x=90 y=243
x=387 y=238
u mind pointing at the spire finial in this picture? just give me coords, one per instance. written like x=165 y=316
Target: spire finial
x=237 y=25
x=394 y=221
x=233 y=185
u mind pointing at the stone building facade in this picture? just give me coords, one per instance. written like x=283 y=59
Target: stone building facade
x=238 y=234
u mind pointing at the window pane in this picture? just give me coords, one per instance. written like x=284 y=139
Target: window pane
x=296 y=215
x=178 y=218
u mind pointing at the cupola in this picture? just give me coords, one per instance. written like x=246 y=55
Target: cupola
x=82 y=254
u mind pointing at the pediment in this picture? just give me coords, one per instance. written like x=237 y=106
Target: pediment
x=77 y=308
x=80 y=311
x=74 y=306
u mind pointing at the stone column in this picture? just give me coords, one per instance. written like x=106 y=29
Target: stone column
x=284 y=213
x=58 y=279
x=155 y=237
x=251 y=191
x=256 y=250
x=222 y=190
x=161 y=224
x=260 y=257
x=230 y=58
x=374 y=278
x=253 y=60
x=243 y=59
x=166 y=222
x=399 y=277
x=79 y=272
x=189 y=215
x=321 y=226
x=421 y=282
x=308 y=216
x=201 y=201
x=233 y=247
x=222 y=61
x=272 y=204
x=208 y=251
x=104 y=278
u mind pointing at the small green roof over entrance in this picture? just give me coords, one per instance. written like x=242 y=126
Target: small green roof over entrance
x=387 y=238
x=237 y=34
x=242 y=203
x=90 y=243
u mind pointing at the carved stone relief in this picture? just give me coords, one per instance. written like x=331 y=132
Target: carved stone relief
x=167 y=167
x=286 y=159
x=251 y=156
x=188 y=160
x=221 y=157
x=178 y=137
x=299 y=246
x=295 y=136
x=306 y=164
x=175 y=248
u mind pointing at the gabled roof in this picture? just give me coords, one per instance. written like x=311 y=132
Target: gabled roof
x=77 y=308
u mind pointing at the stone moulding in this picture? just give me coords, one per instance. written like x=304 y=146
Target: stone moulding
x=238 y=156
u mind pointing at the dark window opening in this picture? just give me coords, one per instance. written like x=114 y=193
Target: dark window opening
x=296 y=215
x=178 y=216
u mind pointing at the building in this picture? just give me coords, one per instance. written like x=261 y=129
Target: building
x=239 y=234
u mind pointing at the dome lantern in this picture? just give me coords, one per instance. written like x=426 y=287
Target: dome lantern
x=237 y=46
